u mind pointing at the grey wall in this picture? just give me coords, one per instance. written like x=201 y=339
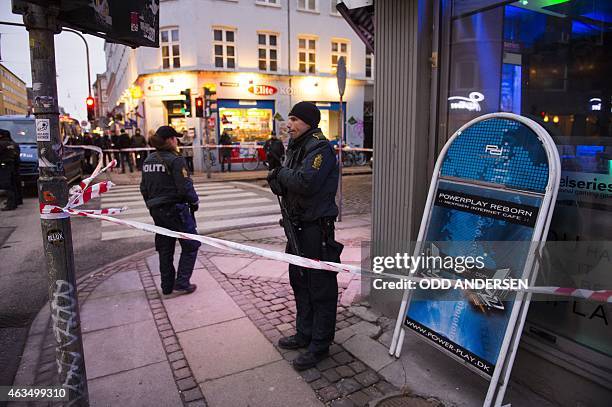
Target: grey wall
x=401 y=121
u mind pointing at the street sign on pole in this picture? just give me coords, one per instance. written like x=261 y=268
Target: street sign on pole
x=341 y=77
x=130 y=22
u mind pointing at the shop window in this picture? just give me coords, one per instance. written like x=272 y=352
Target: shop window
x=246 y=124
x=170 y=48
x=369 y=65
x=307 y=49
x=549 y=61
x=308 y=5
x=224 y=46
x=267 y=51
x=339 y=48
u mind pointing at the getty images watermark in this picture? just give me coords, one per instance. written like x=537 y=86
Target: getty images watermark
x=436 y=271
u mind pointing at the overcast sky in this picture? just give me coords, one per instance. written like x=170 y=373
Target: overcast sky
x=70 y=60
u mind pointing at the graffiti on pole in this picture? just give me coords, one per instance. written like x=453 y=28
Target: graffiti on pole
x=65 y=323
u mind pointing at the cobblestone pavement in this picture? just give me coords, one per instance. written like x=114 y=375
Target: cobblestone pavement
x=341 y=379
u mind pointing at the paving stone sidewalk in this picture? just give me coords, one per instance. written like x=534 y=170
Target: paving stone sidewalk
x=215 y=347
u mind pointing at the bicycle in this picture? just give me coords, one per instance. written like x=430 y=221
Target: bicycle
x=360 y=158
x=251 y=161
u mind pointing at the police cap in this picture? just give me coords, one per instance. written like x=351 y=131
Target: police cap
x=167 y=132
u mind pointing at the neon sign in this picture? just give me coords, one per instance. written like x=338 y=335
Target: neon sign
x=471 y=103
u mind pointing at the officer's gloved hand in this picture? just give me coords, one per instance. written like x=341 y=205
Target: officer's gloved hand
x=194 y=207
x=274 y=183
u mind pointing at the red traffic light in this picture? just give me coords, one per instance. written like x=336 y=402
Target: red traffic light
x=199 y=107
x=89 y=101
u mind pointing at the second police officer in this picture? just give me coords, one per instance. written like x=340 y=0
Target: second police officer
x=307 y=182
x=171 y=199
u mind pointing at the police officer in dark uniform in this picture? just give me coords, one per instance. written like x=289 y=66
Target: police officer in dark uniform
x=9 y=170
x=307 y=182
x=172 y=201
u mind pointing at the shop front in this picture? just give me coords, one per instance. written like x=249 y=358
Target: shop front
x=546 y=60
x=249 y=121
x=550 y=61
x=330 y=118
x=175 y=114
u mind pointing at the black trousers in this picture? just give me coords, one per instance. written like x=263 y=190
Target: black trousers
x=226 y=159
x=125 y=158
x=178 y=218
x=316 y=291
x=189 y=162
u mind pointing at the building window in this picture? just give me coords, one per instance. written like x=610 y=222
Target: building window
x=171 y=53
x=273 y=2
x=334 y=10
x=308 y=5
x=224 y=43
x=339 y=48
x=267 y=51
x=369 y=65
x=307 y=49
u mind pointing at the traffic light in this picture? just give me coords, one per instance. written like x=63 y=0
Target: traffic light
x=187 y=103
x=210 y=99
x=91 y=107
x=199 y=107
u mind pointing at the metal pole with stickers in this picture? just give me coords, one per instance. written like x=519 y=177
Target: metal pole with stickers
x=493 y=193
x=43 y=20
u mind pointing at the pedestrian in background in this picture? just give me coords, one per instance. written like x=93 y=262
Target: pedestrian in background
x=138 y=141
x=172 y=201
x=125 y=142
x=87 y=141
x=307 y=183
x=9 y=171
x=275 y=150
x=187 y=143
x=226 y=152
x=115 y=146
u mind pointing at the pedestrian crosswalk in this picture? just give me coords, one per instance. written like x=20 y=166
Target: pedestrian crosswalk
x=222 y=206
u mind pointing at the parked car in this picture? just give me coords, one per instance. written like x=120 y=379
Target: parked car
x=23 y=131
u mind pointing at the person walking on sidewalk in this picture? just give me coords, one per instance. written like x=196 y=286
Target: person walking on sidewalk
x=226 y=152
x=9 y=171
x=172 y=201
x=125 y=142
x=275 y=150
x=138 y=141
x=307 y=183
x=187 y=141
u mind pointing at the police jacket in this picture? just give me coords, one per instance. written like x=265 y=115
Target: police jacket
x=165 y=180
x=309 y=176
x=9 y=151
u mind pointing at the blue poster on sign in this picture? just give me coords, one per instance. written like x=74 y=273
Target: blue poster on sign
x=490 y=197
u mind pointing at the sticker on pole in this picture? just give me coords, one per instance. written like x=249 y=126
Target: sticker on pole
x=43 y=130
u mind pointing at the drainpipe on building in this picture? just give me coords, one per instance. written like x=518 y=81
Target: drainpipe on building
x=289 y=52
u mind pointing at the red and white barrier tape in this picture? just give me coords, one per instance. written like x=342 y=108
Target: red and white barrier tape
x=220 y=146
x=103 y=214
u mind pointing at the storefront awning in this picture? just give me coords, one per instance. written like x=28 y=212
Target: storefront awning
x=361 y=20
